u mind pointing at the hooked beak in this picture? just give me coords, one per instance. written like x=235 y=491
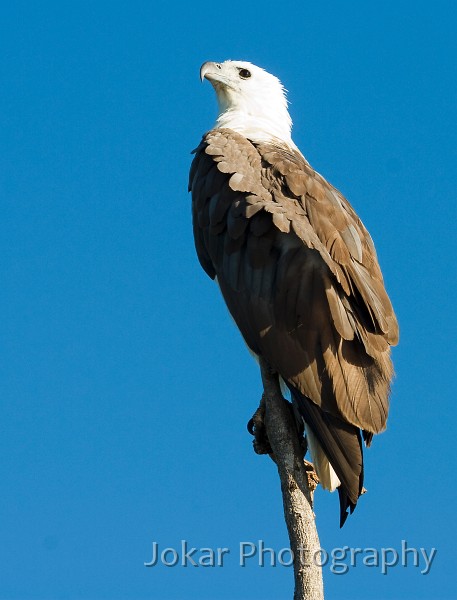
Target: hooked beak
x=210 y=70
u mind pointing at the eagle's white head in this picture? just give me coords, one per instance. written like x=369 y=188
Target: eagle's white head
x=251 y=101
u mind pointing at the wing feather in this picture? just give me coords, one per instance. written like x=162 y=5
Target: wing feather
x=299 y=273
x=326 y=301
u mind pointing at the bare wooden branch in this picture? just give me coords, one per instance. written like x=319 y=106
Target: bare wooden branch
x=296 y=490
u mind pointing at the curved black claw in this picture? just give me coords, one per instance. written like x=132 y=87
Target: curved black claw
x=256 y=427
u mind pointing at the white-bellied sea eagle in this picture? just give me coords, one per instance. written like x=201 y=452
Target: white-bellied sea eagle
x=297 y=269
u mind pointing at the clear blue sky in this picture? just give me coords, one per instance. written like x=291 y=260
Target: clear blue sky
x=125 y=388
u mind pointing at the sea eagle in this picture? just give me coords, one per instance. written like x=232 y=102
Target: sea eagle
x=297 y=270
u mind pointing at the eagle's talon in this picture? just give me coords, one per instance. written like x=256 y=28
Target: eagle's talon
x=256 y=427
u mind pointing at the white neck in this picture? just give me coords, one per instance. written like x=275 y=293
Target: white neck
x=256 y=128
x=260 y=118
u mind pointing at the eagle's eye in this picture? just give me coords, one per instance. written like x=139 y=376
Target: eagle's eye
x=244 y=73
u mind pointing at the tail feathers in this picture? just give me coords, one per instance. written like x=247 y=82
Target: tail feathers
x=341 y=443
x=327 y=476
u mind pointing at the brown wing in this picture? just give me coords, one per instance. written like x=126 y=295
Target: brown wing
x=298 y=272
